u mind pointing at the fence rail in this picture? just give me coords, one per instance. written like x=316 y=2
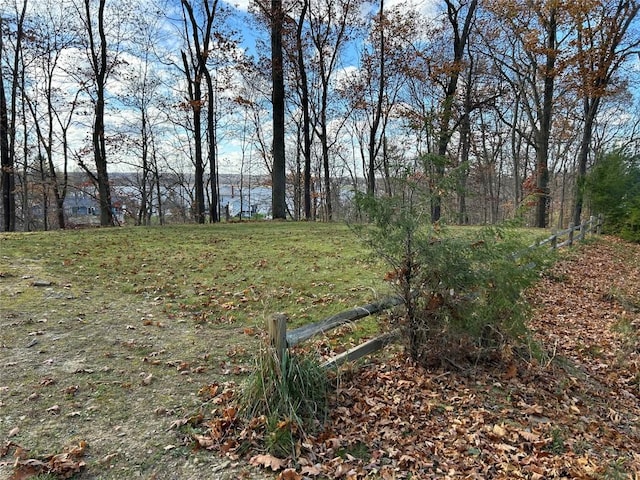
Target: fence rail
x=281 y=339
x=592 y=226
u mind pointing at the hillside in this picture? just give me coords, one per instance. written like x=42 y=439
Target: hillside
x=111 y=336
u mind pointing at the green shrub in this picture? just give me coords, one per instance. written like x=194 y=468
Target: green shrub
x=292 y=396
x=613 y=188
x=463 y=292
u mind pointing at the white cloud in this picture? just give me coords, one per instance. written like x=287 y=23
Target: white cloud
x=428 y=8
x=240 y=4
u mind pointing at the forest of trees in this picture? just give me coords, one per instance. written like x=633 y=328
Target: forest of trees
x=500 y=107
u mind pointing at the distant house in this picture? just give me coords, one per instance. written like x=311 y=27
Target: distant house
x=81 y=207
x=79 y=204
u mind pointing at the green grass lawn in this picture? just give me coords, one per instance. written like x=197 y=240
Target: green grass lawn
x=220 y=273
x=108 y=334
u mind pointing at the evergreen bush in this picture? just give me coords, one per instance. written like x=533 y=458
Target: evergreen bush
x=463 y=291
x=613 y=188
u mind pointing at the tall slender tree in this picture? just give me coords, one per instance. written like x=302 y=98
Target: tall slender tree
x=143 y=96
x=531 y=67
x=460 y=16
x=604 y=41
x=374 y=144
x=6 y=155
x=331 y=26
x=278 y=172
x=8 y=114
x=101 y=62
x=303 y=87
x=194 y=60
x=52 y=107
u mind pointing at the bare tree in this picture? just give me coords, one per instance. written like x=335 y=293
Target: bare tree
x=331 y=25
x=604 y=42
x=60 y=103
x=204 y=46
x=143 y=96
x=8 y=114
x=278 y=172
x=531 y=67
x=460 y=16
x=102 y=60
x=303 y=88
x=386 y=65
x=194 y=61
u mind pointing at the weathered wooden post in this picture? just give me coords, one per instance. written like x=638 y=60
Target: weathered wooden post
x=277 y=328
x=583 y=227
x=592 y=225
x=554 y=239
x=572 y=227
x=599 y=226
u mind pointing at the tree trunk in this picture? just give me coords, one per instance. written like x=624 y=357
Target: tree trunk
x=544 y=132
x=465 y=140
x=8 y=174
x=99 y=66
x=200 y=53
x=459 y=42
x=515 y=154
x=590 y=109
x=99 y=147
x=199 y=212
x=8 y=128
x=374 y=145
x=306 y=117
x=144 y=183
x=195 y=105
x=326 y=168
x=214 y=208
x=278 y=172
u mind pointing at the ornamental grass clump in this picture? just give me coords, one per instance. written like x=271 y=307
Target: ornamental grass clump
x=290 y=394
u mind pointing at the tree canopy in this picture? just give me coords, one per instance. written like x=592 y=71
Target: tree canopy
x=148 y=104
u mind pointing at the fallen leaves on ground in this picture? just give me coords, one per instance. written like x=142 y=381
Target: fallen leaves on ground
x=61 y=465
x=267 y=461
x=574 y=413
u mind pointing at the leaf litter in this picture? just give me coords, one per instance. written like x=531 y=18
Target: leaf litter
x=572 y=411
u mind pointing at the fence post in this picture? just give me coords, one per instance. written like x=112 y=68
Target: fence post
x=599 y=226
x=572 y=227
x=554 y=239
x=277 y=327
x=583 y=227
x=592 y=225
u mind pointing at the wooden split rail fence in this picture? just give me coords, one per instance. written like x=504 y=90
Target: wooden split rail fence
x=573 y=233
x=281 y=339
